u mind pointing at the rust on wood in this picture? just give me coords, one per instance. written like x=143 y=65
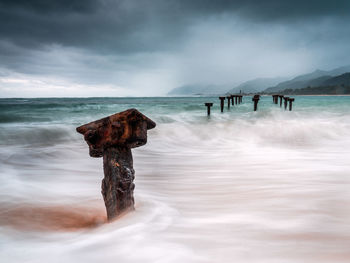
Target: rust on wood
x=112 y=138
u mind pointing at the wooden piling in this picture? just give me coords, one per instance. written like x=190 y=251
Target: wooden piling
x=275 y=99
x=281 y=97
x=208 y=104
x=112 y=138
x=228 y=101
x=255 y=99
x=290 y=103
x=222 y=102
x=285 y=102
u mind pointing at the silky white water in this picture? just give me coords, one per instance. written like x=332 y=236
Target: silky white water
x=240 y=186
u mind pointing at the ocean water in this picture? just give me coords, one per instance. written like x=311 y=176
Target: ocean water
x=240 y=186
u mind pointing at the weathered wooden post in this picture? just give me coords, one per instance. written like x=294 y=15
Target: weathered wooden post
x=232 y=100
x=222 y=102
x=290 y=103
x=112 y=138
x=228 y=101
x=236 y=98
x=256 y=100
x=240 y=99
x=281 y=97
x=208 y=104
x=275 y=99
x=285 y=102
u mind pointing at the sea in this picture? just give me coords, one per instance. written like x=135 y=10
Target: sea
x=239 y=186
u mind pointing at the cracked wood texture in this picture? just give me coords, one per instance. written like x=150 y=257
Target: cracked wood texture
x=112 y=138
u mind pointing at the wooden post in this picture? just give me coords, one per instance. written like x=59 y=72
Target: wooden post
x=281 y=97
x=275 y=99
x=290 y=103
x=236 y=97
x=285 y=102
x=232 y=100
x=112 y=138
x=208 y=104
x=228 y=101
x=255 y=99
x=222 y=102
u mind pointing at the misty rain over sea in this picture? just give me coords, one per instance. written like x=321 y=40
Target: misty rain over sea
x=238 y=186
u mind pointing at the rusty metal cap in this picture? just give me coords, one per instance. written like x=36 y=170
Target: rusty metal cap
x=126 y=129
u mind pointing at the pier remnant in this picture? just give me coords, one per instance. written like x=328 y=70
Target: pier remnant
x=112 y=138
x=232 y=100
x=285 y=102
x=290 y=103
x=208 y=104
x=256 y=99
x=228 y=101
x=236 y=98
x=222 y=102
x=275 y=98
x=281 y=97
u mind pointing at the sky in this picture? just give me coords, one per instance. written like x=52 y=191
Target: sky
x=86 y=48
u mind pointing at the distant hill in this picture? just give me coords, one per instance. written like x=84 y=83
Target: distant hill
x=343 y=79
x=328 y=90
x=319 y=78
x=190 y=90
x=315 y=78
x=338 y=85
x=256 y=85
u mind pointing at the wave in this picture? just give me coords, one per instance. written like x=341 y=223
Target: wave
x=271 y=181
x=35 y=135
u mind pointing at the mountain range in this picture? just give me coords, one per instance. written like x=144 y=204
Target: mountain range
x=329 y=85
x=314 y=79
x=317 y=79
x=256 y=85
x=198 y=89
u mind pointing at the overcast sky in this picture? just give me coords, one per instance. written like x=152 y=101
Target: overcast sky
x=147 y=47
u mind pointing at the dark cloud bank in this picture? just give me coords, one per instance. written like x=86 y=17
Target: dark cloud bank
x=118 y=48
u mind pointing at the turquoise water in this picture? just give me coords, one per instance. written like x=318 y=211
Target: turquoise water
x=243 y=186
x=75 y=110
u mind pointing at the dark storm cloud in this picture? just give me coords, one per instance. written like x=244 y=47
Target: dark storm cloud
x=44 y=6
x=138 y=25
x=150 y=45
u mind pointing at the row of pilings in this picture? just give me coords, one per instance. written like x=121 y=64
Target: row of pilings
x=238 y=99
x=234 y=99
x=231 y=100
x=287 y=100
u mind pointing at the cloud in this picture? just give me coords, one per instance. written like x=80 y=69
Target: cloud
x=160 y=44
x=142 y=25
